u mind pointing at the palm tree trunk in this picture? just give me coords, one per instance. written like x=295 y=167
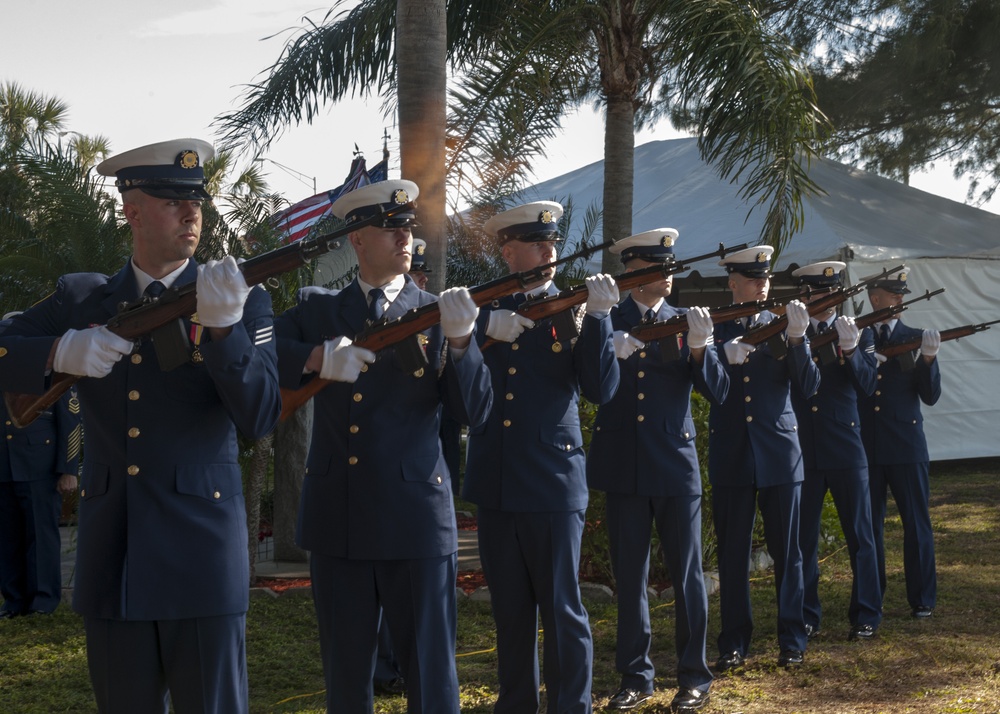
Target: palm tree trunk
x=257 y=473
x=421 y=74
x=619 y=159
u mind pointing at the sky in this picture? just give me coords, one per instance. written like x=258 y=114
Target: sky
x=139 y=72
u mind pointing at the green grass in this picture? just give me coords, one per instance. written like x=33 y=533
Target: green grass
x=948 y=664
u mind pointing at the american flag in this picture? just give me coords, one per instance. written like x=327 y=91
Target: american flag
x=297 y=220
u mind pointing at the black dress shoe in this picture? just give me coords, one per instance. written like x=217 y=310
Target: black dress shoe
x=728 y=661
x=861 y=632
x=394 y=686
x=7 y=614
x=922 y=612
x=689 y=700
x=627 y=699
x=790 y=658
x=811 y=630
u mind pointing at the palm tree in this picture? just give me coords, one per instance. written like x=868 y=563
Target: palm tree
x=26 y=118
x=712 y=65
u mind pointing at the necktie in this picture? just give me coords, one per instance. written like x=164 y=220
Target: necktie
x=884 y=333
x=154 y=289
x=650 y=316
x=519 y=299
x=821 y=328
x=375 y=296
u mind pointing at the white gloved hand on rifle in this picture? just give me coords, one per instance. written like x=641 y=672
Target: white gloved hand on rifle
x=507 y=326
x=458 y=313
x=699 y=327
x=798 y=319
x=602 y=294
x=90 y=353
x=930 y=343
x=848 y=333
x=736 y=351
x=221 y=290
x=343 y=361
x=626 y=344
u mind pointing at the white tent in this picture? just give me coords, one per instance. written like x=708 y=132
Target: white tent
x=867 y=221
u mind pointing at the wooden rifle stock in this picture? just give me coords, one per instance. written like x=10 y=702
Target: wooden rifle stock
x=894 y=350
x=145 y=315
x=652 y=331
x=380 y=335
x=549 y=305
x=872 y=318
x=761 y=333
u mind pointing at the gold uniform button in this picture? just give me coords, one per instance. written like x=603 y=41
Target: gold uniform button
x=48 y=441
x=641 y=396
x=509 y=397
x=643 y=354
x=133 y=432
x=878 y=376
x=136 y=358
x=640 y=418
x=816 y=360
x=914 y=421
x=852 y=423
x=506 y=422
x=515 y=346
x=134 y=395
x=83 y=493
x=3 y=351
x=749 y=419
x=439 y=479
x=641 y=374
x=7 y=422
x=878 y=393
x=354 y=429
x=357 y=397
x=746 y=379
x=878 y=408
x=364 y=368
x=687 y=435
x=748 y=399
x=512 y=371
x=353 y=460
x=815 y=409
x=9 y=437
x=217 y=495
x=133 y=470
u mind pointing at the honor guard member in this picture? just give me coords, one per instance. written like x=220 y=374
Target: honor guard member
x=892 y=428
x=643 y=456
x=526 y=468
x=754 y=457
x=379 y=522
x=162 y=572
x=418 y=265
x=38 y=465
x=834 y=457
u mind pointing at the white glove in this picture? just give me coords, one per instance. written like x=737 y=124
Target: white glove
x=848 y=333
x=458 y=313
x=90 y=353
x=221 y=293
x=736 y=351
x=798 y=319
x=342 y=361
x=930 y=343
x=881 y=359
x=699 y=327
x=602 y=294
x=507 y=326
x=626 y=344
